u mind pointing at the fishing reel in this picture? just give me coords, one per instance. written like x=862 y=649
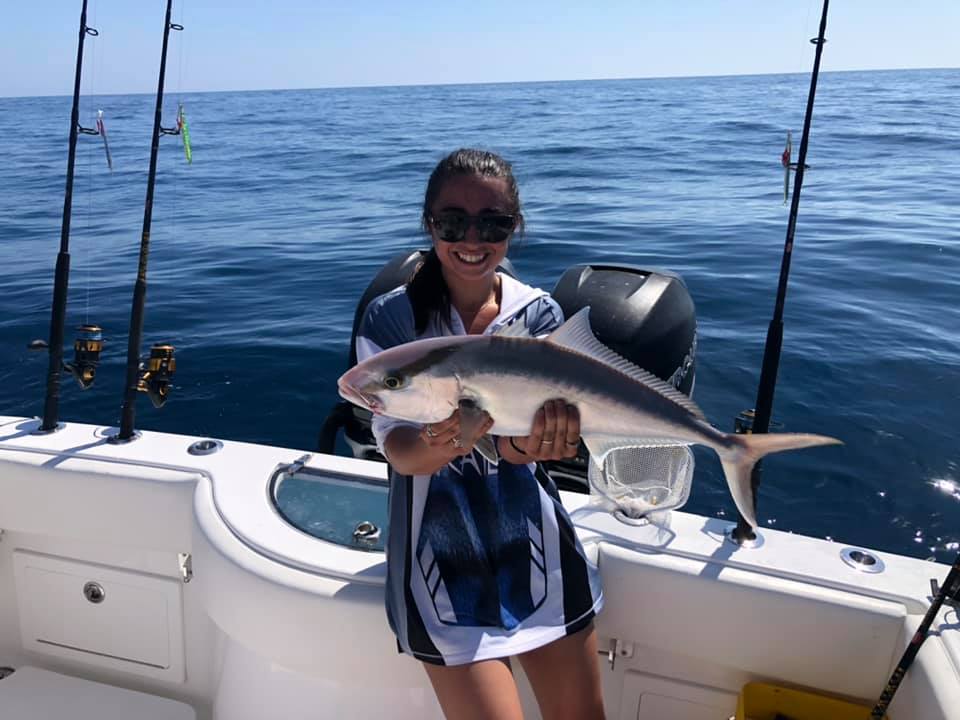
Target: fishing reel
x=86 y=354
x=743 y=423
x=157 y=373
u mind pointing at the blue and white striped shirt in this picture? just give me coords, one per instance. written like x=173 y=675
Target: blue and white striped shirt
x=482 y=560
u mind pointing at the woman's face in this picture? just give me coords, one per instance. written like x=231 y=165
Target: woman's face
x=471 y=260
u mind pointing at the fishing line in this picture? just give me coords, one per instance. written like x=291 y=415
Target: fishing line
x=153 y=376
x=760 y=416
x=175 y=175
x=89 y=343
x=786 y=158
x=180 y=43
x=801 y=63
x=184 y=49
x=85 y=256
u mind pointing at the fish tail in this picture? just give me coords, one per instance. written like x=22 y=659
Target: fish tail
x=738 y=462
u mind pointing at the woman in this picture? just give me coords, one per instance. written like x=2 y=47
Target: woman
x=483 y=561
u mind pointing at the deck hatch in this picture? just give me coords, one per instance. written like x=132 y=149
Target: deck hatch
x=100 y=615
x=344 y=509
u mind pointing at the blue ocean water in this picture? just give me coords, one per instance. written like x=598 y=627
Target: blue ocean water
x=261 y=248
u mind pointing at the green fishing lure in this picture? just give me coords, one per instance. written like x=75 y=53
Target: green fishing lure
x=184 y=133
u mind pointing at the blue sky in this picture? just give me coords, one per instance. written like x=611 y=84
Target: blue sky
x=244 y=45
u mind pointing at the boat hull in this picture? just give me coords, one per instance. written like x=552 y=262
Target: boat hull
x=273 y=620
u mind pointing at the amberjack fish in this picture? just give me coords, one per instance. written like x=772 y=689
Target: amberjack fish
x=510 y=375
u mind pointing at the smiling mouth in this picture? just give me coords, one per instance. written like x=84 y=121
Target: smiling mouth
x=470 y=258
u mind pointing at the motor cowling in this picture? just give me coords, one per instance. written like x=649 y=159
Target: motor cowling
x=646 y=316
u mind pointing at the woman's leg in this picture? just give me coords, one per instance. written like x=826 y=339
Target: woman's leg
x=482 y=690
x=565 y=677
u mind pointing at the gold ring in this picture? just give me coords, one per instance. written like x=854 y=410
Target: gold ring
x=546 y=442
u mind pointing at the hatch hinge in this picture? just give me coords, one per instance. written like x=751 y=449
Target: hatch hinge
x=186 y=566
x=297 y=465
x=617 y=648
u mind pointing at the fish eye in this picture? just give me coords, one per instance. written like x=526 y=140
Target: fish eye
x=393 y=381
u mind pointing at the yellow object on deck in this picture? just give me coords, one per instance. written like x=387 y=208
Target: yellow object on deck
x=760 y=701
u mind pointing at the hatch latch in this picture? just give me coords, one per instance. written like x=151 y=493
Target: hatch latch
x=617 y=648
x=186 y=567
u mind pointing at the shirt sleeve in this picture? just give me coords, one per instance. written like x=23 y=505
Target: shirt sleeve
x=543 y=316
x=387 y=322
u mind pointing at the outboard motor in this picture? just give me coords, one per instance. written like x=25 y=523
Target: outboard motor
x=647 y=316
x=356 y=421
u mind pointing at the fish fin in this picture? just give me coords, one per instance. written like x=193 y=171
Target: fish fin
x=576 y=334
x=487 y=447
x=470 y=410
x=738 y=463
x=470 y=415
x=518 y=328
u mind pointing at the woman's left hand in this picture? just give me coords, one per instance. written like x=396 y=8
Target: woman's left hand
x=555 y=434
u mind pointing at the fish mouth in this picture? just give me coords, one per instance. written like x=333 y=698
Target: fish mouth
x=356 y=396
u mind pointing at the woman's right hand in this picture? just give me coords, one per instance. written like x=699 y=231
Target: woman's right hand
x=436 y=444
x=454 y=436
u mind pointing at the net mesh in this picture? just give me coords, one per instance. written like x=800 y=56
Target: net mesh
x=643 y=479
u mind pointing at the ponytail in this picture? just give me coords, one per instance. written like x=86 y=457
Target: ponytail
x=428 y=293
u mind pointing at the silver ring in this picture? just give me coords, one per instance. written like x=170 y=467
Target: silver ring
x=430 y=432
x=457 y=442
x=546 y=442
x=572 y=444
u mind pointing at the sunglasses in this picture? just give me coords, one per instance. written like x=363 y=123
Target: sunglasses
x=452 y=226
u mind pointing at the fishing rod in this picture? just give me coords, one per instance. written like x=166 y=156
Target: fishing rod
x=759 y=420
x=155 y=378
x=89 y=341
x=949 y=593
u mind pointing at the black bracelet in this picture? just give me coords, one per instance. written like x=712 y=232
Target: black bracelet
x=514 y=446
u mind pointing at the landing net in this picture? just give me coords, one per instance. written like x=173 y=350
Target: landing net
x=643 y=479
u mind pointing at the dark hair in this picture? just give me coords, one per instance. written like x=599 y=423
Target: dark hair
x=427 y=289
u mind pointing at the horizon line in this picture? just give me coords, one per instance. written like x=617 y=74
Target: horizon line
x=483 y=82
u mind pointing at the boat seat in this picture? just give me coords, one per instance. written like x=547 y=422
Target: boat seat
x=34 y=694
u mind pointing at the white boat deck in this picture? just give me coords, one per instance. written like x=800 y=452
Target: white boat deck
x=211 y=599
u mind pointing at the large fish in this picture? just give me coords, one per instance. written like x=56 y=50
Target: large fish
x=511 y=376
